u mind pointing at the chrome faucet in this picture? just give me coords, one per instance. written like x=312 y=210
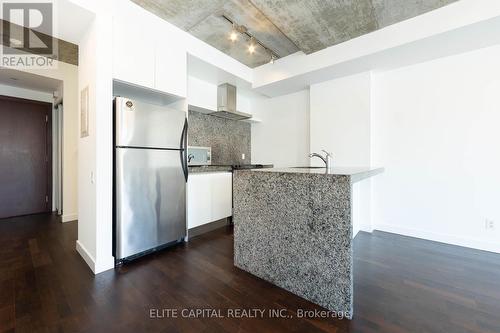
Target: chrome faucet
x=328 y=159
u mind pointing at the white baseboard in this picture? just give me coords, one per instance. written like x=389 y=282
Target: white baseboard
x=442 y=238
x=104 y=265
x=89 y=259
x=69 y=217
x=364 y=228
x=99 y=267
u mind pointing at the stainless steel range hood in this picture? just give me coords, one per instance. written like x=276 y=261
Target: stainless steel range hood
x=226 y=104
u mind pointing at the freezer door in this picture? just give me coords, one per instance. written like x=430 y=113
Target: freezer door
x=150 y=200
x=139 y=124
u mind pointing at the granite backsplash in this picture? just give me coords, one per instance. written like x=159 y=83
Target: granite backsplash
x=229 y=139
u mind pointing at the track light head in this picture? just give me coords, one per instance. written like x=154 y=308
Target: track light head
x=251 y=46
x=233 y=36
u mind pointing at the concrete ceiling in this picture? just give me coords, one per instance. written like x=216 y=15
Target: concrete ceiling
x=285 y=26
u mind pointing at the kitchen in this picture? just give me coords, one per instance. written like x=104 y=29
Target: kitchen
x=269 y=167
x=214 y=146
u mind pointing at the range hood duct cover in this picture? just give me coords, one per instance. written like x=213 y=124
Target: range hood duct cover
x=226 y=103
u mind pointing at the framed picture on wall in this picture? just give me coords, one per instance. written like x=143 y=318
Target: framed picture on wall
x=84 y=112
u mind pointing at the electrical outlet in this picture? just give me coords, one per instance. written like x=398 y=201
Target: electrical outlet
x=489 y=224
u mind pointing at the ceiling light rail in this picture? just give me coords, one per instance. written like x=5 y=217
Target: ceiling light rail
x=241 y=29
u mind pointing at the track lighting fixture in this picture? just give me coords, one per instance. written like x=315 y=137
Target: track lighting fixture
x=238 y=30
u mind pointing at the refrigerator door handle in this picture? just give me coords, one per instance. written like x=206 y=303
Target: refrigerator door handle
x=183 y=150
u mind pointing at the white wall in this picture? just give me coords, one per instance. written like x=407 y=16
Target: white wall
x=340 y=120
x=103 y=58
x=340 y=124
x=435 y=130
x=282 y=138
x=87 y=152
x=96 y=163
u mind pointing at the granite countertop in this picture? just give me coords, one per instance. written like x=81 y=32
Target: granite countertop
x=355 y=173
x=293 y=228
x=209 y=169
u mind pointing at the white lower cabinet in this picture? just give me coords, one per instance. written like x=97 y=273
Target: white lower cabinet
x=209 y=197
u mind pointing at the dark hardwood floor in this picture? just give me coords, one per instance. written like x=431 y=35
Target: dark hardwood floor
x=401 y=285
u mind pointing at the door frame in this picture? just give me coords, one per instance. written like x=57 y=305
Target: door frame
x=57 y=157
x=48 y=142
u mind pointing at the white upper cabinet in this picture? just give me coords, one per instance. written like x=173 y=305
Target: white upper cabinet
x=171 y=68
x=143 y=57
x=133 y=51
x=202 y=96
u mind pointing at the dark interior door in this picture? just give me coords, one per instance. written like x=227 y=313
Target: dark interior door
x=25 y=157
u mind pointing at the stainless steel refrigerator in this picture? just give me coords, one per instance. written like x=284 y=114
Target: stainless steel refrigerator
x=150 y=177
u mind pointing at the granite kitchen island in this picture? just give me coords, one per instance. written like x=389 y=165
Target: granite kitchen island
x=293 y=227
